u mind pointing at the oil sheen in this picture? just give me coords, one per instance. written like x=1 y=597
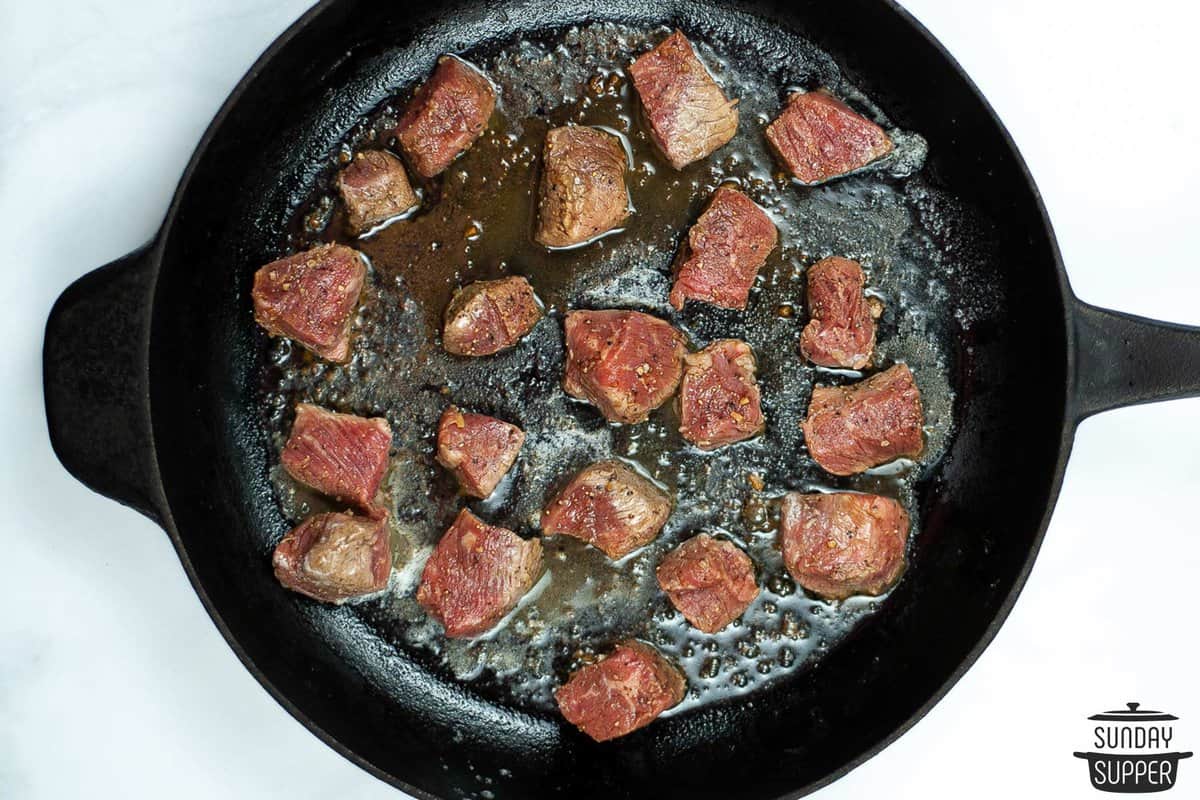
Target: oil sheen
x=476 y=222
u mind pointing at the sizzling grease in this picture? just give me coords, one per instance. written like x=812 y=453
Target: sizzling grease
x=476 y=222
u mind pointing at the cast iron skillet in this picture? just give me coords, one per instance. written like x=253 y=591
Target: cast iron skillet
x=151 y=389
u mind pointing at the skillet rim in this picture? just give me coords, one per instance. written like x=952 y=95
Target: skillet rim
x=1069 y=420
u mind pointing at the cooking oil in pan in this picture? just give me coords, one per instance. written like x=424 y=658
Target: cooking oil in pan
x=475 y=223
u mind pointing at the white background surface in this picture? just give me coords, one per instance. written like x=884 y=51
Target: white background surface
x=113 y=681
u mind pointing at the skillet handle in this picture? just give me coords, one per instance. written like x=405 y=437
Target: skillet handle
x=95 y=372
x=1124 y=360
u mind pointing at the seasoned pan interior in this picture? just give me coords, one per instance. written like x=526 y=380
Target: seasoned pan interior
x=476 y=223
x=973 y=305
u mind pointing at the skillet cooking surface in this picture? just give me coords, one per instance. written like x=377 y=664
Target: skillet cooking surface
x=477 y=224
x=972 y=294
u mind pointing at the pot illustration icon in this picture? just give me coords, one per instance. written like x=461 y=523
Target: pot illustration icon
x=1132 y=751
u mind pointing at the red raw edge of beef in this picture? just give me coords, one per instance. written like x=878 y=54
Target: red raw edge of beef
x=341 y=455
x=626 y=363
x=477 y=574
x=609 y=506
x=625 y=691
x=375 y=188
x=445 y=116
x=818 y=137
x=852 y=428
x=724 y=251
x=719 y=401
x=842 y=544
x=688 y=115
x=478 y=449
x=841 y=331
x=335 y=557
x=711 y=581
x=486 y=317
x=310 y=297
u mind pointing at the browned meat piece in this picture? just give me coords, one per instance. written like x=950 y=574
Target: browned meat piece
x=709 y=580
x=625 y=691
x=719 y=403
x=334 y=557
x=477 y=574
x=853 y=428
x=486 y=317
x=310 y=298
x=841 y=544
x=818 y=138
x=340 y=455
x=724 y=251
x=445 y=116
x=686 y=111
x=375 y=188
x=841 y=331
x=609 y=506
x=477 y=448
x=624 y=362
x=582 y=193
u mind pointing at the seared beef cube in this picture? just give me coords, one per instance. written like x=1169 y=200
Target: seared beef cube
x=841 y=331
x=477 y=574
x=723 y=252
x=310 y=298
x=375 y=188
x=582 y=193
x=486 y=317
x=718 y=398
x=818 y=137
x=687 y=114
x=609 y=506
x=334 y=557
x=445 y=116
x=711 y=581
x=842 y=544
x=853 y=428
x=341 y=455
x=624 y=691
x=624 y=362
x=477 y=448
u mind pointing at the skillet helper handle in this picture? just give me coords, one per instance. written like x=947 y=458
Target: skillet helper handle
x=95 y=372
x=1125 y=360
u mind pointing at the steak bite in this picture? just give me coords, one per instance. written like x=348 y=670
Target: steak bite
x=719 y=402
x=582 y=192
x=477 y=574
x=626 y=363
x=841 y=544
x=445 y=116
x=374 y=188
x=683 y=106
x=624 y=691
x=478 y=449
x=310 y=298
x=334 y=557
x=818 y=137
x=711 y=581
x=853 y=428
x=341 y=455
x=486 y=317
x=841 y=331
x=609 y=506
x=724 y=251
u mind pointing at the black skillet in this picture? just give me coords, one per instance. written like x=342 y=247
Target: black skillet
x=151 y=392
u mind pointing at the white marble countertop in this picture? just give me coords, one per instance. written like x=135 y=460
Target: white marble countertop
x=113 y=681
